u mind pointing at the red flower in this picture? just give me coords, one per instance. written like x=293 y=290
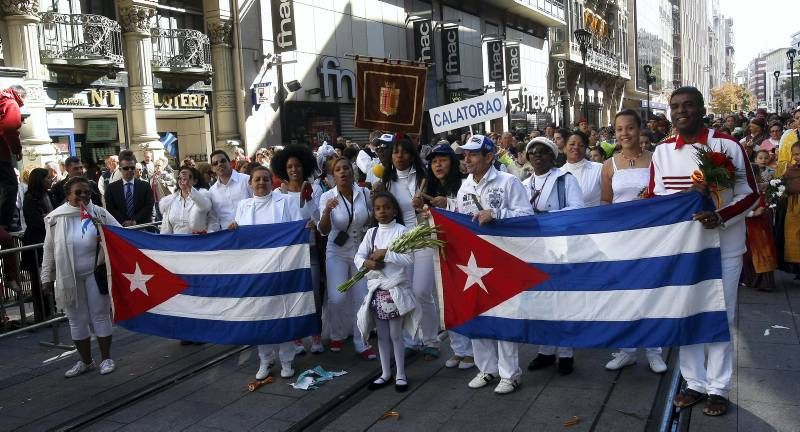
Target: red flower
x=718 y=159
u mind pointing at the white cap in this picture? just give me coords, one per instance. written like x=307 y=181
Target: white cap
x=542 y=140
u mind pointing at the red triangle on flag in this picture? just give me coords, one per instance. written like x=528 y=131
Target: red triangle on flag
x=138 y=283
x=477 y=275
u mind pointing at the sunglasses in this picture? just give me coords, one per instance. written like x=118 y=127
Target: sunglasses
x=219 y=162
x=127 y=168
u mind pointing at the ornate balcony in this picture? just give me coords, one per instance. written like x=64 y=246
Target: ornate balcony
x=597 y=59
x=80 y=39
x=181 y=51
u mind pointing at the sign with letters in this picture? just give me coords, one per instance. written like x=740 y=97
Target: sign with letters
x=467 y=112
x=423 y=41
x=494 y=60
x=513 y=65
x=451 y=51
x=283 y=26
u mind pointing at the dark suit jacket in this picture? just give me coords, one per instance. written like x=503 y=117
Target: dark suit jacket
x=142 y=199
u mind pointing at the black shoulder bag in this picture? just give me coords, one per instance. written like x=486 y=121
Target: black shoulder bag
x=100 y=270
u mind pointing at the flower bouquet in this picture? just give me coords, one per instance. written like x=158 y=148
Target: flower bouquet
x=776 y=191
x=715 y=170
x=418 y=238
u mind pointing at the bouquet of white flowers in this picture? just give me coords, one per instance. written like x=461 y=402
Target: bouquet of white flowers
x=776 y=191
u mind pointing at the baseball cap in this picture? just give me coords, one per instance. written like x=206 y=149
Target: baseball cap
x=542 y=140
x=385 y=140
x=440 y=150
x=478 y=142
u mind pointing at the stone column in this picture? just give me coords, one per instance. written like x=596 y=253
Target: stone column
x=22 y=51
x=226 y=129
x=135 y=17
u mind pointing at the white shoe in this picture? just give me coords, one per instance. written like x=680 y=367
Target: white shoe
x=506 y=386
x=287 y=371
x=453 y=361
x=107 y=366
x=317 y=348
x=466 y=363
x=299 y=349
x=263 y=370
x=79 y=369
x=657 y=364
x=481 y=380
x=620 y=360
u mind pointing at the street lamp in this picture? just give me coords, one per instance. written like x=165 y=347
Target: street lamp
x=790 y=54
x=650 y=79
x=584 y=38
x=776 y=74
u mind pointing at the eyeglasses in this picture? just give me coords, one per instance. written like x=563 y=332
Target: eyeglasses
x=127 y=168
x=218 y=162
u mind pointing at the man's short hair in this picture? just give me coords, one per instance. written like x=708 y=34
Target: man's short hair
x=692 y=91
x=71 y=160
x=127 y=155
x=219 y=152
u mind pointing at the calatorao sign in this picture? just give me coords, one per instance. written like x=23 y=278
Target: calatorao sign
x=462 y=114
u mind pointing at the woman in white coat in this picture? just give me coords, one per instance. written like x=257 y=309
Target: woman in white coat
x=266 y=207
x=70 y=257
x=585 y=171
x=187 y=210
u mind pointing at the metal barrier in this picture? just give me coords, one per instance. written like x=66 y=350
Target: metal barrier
x=45 y=312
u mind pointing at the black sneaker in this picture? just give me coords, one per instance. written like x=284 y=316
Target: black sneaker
x=565 y=365
x=542 y=361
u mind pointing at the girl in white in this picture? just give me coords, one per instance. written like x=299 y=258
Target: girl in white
x=188 y=210
x=266 y=207
x=625 y=176
x=344 y=216
x=585 y=171
x=389 y=301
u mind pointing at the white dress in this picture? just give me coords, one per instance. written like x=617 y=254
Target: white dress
x=588 y=175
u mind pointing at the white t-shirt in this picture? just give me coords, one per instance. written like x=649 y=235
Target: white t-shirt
x=225 y=198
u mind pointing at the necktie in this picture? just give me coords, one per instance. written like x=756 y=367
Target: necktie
x=129 y=199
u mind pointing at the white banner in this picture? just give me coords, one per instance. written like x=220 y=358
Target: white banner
x=467 y=112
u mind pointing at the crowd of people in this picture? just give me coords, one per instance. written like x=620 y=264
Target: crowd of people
x=357 y=199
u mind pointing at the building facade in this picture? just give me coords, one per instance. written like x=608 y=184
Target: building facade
x=691 y=45
x=716 y=46
x=730 y=51
x=776 y=60
x=757 y=80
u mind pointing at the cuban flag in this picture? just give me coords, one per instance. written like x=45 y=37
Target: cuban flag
x=635 y=274
x=248 y=286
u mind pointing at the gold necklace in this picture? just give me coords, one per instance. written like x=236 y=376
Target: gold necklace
x=631 y=160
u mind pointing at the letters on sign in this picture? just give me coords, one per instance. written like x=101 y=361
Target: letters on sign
x=495 y=60
x=423 y=44
x=561 y=75
x=329 y=67
x=283 y=25
x=513 y=68
x=183 y=101
x=467 y=112
x=451 y=51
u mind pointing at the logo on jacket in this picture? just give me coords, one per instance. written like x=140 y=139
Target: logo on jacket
x=495 y=198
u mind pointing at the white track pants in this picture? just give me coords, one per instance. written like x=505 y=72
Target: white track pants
x=496 y=356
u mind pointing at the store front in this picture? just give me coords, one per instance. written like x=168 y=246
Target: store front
x=183 y=122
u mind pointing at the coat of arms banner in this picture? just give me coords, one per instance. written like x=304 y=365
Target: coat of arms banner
x=389 y=97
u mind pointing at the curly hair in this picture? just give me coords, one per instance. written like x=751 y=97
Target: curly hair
x=300 y=152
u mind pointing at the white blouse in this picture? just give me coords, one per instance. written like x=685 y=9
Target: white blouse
x=185 y=215
x=361 y=210
x=588 y=175
x=404 y=189
x=385 y=234
x=271 y=208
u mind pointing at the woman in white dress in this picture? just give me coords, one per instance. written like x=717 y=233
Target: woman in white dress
x=625 y=176
x=187 y=210
x=585 y=171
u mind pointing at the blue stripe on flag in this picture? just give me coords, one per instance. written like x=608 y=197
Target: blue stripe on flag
x=704 y=327
x=225 y=332
x=248 y=285
x=245 y=237
x=645 y=273
x=652 y=212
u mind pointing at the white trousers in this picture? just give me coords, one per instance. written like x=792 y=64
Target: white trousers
x=562 y=351
x=460 y=344
x=90 y=308
x=343 y=307
x=715 y=377
x=285 y=352
x=497 y=356
x=421 y=275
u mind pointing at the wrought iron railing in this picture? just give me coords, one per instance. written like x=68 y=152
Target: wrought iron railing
x=598 y=59
x=80 y=39
x=181 y=50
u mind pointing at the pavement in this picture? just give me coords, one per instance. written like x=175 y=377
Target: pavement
x=35 y=396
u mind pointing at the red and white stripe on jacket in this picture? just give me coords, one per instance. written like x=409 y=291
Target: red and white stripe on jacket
x=674 y=161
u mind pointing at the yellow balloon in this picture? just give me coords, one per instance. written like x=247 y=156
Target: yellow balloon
x=378 y=170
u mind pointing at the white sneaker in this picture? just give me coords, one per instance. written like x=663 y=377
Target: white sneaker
x=620 y=360
x=299 y=349
x=467 y=362
x=657 y=364
x=263 y=370
x=79 y=369
x=317 y=348
x=481 y=380
x=506 y=386
x=453 y=361
x=287 y=371
x=107 y=366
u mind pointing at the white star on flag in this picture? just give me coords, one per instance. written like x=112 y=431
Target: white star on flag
x=138 y=280
x=474 y=273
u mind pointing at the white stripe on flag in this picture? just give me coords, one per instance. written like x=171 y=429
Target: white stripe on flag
x=234 y=261
x=683 y=237
x=238 y=308
x=665 y=302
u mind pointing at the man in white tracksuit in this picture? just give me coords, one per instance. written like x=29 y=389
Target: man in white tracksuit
x=488 y=194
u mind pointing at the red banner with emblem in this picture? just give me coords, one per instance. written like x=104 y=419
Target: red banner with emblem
x=389 y=97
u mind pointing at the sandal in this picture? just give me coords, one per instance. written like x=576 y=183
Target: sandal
x=688 y=398
x=431 y=353
x=716 y=405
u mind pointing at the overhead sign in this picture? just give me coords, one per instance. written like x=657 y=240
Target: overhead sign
x=181 y=101
x=330 y=69
x=451 y=51
x=561 y=75
x=494 y=60
x=283 y=26
x=467 y=112
x=513 y=67
x=91 y=98
x=423 y=41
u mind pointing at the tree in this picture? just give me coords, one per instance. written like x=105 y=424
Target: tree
x=730 y=97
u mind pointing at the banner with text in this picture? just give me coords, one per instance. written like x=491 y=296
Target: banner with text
x=467 y=112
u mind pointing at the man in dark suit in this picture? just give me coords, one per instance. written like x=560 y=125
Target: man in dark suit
x=130 y=201
x=74 y=168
